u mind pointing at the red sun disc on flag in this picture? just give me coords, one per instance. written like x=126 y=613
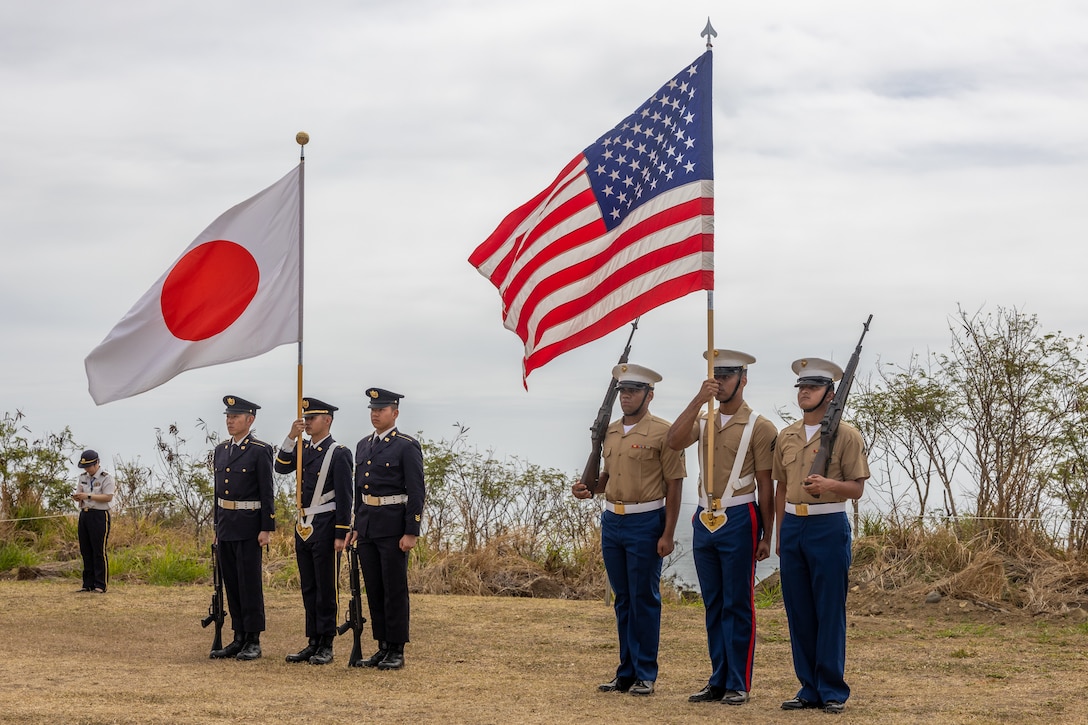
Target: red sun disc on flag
x=208 y=289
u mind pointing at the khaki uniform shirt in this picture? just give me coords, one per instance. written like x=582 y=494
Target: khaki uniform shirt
x=639 y=462
x=758 y=457
x=793 y=458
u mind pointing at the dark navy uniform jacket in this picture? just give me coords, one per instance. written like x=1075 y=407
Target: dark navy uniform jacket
x=338 y=479
x=244 y=475
x=391 y=466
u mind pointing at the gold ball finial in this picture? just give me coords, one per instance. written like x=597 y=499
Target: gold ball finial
x=302 y=138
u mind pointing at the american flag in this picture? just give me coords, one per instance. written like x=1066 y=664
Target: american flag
x=625 y=227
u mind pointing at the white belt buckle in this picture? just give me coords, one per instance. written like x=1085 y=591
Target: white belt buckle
x=800 y=509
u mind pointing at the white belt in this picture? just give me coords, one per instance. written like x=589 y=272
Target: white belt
x=726 y=503
x=323 y=508
x=238 y=505
x=385 y=500
x=815 y=509
x=634 y=508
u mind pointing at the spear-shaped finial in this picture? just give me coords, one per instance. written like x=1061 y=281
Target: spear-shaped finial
x=708 y=32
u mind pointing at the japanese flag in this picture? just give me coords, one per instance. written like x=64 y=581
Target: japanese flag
x=233 y=294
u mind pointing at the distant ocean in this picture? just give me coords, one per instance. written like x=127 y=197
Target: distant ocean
x=681 y=565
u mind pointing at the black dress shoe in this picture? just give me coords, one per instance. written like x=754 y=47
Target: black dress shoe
x=304 y=654
x=618 y=684
x=710 y=693
x=735 y=697
x=322 y=656
x=798 y=703
x=392 y=661
x=374 y=659
x=228 y=652
x=250 y=651
x=834 y=707
x=642 y=687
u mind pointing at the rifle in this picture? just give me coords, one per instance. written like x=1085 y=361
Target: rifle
x=591 y=475
x=216 y=613
x=829 y=426
x=355 y=619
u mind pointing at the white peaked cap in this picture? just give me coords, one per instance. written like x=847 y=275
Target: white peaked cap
x=816 y=371
x=628 y=375
x=731 y=359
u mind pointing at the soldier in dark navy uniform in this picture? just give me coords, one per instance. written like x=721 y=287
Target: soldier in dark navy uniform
x=245 y=517
x=323 y=524
x=389 y=495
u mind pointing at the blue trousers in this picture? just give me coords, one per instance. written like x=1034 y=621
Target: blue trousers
x=243 y=580
x=316 y=558
x=815 y=564
x=385 y=575
x=629 y=549
x=94 y=532
x=725 y=562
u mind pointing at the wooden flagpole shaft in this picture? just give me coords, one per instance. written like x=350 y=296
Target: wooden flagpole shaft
x=302 y=138
x=711 y=419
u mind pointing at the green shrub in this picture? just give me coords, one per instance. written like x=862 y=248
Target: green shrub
x=768 y=594
x=13 y=556
x=170 y=566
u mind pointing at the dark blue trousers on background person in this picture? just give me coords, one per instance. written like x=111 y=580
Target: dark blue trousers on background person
x=726 y=565
x=629 y=550
x=815 y=564
x=94 y=532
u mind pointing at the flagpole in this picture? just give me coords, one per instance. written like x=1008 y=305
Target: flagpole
x=711 y=416
x=302 y=138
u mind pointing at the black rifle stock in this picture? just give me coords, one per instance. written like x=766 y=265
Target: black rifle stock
x=216 y=613
x=591 y=474
x=355 y=618
x=829 y=426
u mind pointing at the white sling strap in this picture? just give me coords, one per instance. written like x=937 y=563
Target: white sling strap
x=712 y=517
x=303 y=526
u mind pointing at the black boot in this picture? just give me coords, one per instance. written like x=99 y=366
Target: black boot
x=374 y=659
x=323 y=655
x=394 y=658
x=304 y=654
x=231 y=650
x=252 y=648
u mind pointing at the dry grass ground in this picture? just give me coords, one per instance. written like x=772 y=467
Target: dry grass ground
x=138 y=655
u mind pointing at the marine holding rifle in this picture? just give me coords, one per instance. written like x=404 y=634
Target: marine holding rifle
x=245 y=518
x=641 y=483
x=734 y=521
x=814 y=533
x=323 y=523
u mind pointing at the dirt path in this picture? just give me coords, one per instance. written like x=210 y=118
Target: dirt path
x=138 y=655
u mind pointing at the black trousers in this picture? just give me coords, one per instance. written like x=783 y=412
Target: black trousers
x=316 y=559
x=243 y=580
x=385 y=574
x=94 y=532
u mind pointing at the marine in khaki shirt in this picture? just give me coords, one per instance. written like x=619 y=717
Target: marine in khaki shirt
x=814 y=542
x=732 y=526
x=641 y=482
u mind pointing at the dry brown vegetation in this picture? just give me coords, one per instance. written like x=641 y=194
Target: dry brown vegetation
x=138 y=655
x=1031 y=579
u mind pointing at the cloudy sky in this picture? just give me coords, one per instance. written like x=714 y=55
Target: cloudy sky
x=896 y=159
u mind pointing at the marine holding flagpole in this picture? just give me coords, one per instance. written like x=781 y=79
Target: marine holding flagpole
x=323 y=522
x=734 y=521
